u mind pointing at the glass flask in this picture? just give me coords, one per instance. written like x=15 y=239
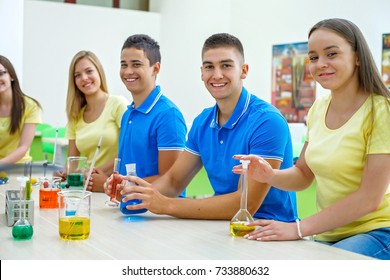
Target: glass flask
x=131 y=171
x=22 y=229
x=239 y=223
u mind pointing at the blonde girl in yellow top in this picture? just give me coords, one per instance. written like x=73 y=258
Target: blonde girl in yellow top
x=347 y=149
x=19 y=115
x=92 y=112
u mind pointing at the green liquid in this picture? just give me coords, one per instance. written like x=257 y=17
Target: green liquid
x=75 y=180
x=22 y=232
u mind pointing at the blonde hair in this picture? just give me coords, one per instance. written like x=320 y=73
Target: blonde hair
x=75 y=100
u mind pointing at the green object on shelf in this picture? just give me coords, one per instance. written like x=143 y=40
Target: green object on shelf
x=36 y=149
x=51 y=133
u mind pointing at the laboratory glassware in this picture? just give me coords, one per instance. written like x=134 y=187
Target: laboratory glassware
x=131 y=171
x=239 y=223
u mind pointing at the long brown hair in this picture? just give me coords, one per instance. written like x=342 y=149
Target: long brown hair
x=370 y=81
x=18 y=103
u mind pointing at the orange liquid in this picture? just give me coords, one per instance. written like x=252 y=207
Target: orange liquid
x=48 y=198
x=115 y=181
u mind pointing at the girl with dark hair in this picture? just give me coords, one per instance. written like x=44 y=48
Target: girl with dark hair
x=19 y=115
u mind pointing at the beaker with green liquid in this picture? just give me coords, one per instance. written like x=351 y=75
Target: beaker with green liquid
x=76 y=166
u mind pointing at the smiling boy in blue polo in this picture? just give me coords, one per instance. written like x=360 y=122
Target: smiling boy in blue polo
x=153 y=129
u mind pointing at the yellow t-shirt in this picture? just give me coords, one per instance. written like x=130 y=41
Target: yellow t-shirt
x=87 y=135
x=337 y=158
x=9 y=143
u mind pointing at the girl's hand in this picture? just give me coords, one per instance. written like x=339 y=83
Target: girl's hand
x=258 y=169
x=270 y=230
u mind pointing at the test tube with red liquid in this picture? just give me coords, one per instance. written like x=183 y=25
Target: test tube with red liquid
x=114 y=196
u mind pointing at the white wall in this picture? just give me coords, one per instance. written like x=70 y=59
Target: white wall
x=259 y=25
x=184 y=27
x=11 y=33
x=53 y=32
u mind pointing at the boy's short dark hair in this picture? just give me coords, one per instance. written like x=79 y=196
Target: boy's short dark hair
x=223 y=40
x=145 y=43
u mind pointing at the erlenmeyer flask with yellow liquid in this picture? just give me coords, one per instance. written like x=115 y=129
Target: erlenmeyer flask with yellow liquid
x=239 y=223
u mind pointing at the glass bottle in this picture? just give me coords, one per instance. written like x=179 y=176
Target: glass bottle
x=239 y=223
x=131 y=171
x=22 y=229
x=115 y=194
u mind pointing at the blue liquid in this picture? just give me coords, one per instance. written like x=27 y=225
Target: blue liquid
x=131 y=202
x=70 y=212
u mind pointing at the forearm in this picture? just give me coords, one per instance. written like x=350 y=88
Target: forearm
x=107 y=167
x=213 y=208
x=165 y=185
x=366 y=199
x=267 y=171
x=15 y=156
x=343 y=212
x=291 y=179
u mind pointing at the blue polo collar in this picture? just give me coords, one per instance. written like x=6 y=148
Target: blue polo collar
x=149 y=102
x=239 y=111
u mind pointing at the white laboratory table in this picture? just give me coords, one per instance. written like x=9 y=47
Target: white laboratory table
x=147 y=237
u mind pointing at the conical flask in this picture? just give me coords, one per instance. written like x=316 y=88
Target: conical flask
x=239 y=223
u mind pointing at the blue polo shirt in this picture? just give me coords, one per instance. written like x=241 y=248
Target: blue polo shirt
x=255 y=127
x=156 y=125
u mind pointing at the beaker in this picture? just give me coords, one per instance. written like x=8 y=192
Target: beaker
x=48 y=189
x=239 y=223
x=76 y=167
x=74 y=211
x=115 y=196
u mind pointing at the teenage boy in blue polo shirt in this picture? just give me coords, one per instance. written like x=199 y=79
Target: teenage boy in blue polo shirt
x=239 y=123
x=153 y=129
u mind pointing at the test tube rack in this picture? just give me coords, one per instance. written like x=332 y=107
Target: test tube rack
x=14 y=208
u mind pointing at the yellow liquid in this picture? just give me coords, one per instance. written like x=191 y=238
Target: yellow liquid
x=74 y=228
x=240 y=229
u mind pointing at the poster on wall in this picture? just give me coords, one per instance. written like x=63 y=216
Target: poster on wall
x=293 y=88
x=386 y=60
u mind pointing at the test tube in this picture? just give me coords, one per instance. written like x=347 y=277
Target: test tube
x=114 y=201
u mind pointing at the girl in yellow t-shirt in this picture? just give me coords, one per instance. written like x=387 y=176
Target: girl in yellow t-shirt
x=92 y=112
x=347 y=150
x=19 y=115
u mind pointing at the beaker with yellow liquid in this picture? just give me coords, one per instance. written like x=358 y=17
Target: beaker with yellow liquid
x=239 y=223
x=74 y=209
